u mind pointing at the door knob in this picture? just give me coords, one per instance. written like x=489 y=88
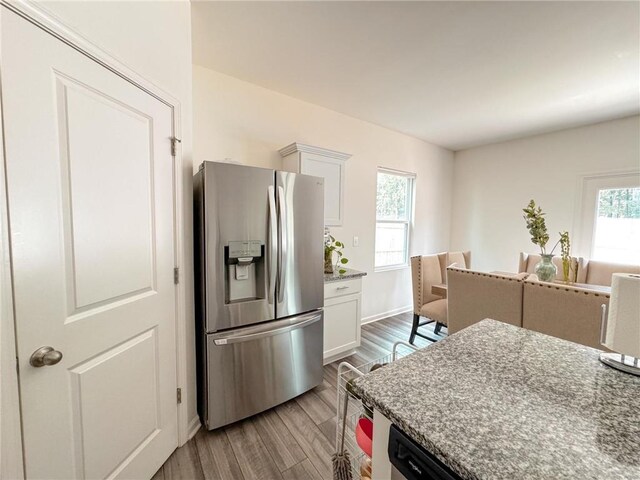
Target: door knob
x=45 y=356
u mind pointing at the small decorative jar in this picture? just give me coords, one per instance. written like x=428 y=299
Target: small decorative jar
x=545 y=269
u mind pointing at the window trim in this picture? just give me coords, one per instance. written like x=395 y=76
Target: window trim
x=408 y=222
x=587 y=212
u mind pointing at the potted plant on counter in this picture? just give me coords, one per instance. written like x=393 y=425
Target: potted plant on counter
x=546 y=269
x=332 y=245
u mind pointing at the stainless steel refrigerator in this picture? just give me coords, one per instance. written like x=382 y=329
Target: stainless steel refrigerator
x=259 y=288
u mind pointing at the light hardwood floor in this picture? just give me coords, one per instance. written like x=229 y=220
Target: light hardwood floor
x=293 y=441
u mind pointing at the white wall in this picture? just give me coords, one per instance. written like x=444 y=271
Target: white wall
x=153 y=39
x=494 y=182
x=244 y=122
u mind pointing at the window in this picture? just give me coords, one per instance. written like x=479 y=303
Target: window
x=394 y=211
x=617 y=226
x=609 y=225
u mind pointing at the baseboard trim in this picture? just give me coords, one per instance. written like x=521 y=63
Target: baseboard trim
x=338 y=356
x=380 y=316
x=194 y=426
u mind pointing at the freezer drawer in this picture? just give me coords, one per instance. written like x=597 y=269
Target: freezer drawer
x=252 y=369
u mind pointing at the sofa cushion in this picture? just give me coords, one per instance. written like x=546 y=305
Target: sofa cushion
x=436 y=311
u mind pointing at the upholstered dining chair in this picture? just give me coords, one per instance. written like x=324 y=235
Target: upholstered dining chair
x=595 y=272
x=459 y=259
x=426 y=271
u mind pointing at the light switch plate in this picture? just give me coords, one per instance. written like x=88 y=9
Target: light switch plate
x=356 y=241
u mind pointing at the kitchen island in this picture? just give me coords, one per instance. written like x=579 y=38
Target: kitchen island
x=496 y=401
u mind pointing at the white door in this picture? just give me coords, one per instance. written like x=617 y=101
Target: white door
x=90 y=187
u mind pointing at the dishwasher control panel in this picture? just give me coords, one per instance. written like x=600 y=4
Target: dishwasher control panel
x=413 y=462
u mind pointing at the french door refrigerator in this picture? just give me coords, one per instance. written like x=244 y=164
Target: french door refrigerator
x=259 y=288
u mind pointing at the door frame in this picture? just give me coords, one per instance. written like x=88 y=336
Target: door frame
x=41 y=18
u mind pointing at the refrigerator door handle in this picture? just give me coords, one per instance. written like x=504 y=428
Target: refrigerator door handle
x=261 y=331
x=283 y=244
x=273 y=244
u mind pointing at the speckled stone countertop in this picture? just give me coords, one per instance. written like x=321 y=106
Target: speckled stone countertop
x=348 y=275
x=496 y=401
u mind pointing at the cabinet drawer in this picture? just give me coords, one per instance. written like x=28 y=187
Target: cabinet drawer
x=342 y=287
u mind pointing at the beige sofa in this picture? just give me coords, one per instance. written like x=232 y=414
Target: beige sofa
x=474 y=296
x=562 y=311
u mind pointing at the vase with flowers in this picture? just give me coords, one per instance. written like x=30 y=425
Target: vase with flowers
x=536 y=224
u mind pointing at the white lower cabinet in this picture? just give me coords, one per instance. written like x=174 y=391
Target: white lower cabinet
x=342 y=307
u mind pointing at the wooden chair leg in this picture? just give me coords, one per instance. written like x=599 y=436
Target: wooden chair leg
x=414 y=328
x=437 y=328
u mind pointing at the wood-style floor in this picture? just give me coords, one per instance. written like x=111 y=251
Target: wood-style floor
x=293 y=441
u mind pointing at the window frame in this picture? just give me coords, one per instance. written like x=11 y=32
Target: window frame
x=408 y=222
x=591 y=185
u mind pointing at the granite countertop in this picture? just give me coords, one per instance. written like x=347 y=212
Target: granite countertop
x=496 y=401
x=348 y=275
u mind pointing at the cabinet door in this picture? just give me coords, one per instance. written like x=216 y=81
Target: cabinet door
x=341 y=324
x=332 y=170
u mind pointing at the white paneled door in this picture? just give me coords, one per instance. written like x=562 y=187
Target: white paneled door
x=90 y=194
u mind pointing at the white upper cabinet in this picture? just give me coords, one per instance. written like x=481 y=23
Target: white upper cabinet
x=320 y=162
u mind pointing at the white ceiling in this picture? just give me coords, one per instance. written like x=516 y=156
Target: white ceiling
x=457 y=74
